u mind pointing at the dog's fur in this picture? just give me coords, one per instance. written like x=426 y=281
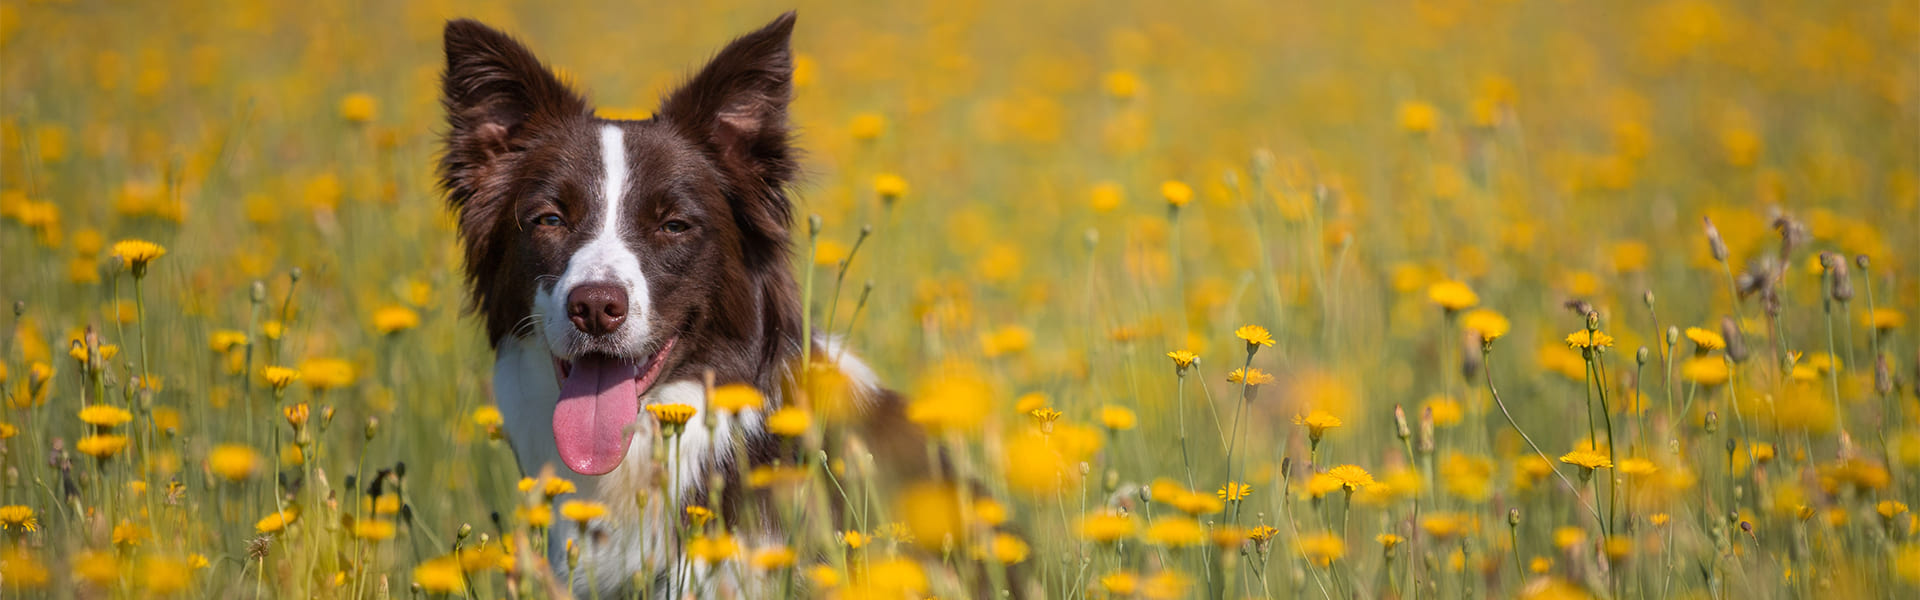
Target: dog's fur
x=684 y=213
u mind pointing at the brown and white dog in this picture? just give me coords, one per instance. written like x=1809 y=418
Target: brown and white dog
x=615 y=263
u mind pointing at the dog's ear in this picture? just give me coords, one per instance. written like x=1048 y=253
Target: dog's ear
x=495 y=92
x=737 y=108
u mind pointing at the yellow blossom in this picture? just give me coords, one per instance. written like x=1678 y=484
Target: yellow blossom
x=1175 y=532
x=789 y=421
x=233 y=461
x=1452 y=295
x=1117 y=418
x=1323 y=548
x=105 y=416
x=1235 y=491
x=1351 y=477
x=581 y=511
x=101 y=446
x=1251 y=376
x=1106 y=527
x=18 y=518
x=1705 y=340
x=671 y=413
x=1177 y=193
x=736 y=397
x=1254 y=336
x=1489 y=323
x=277 y=521
x=395 y=319
x=1589 y=340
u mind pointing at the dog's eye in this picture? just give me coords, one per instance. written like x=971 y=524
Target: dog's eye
x=675 y=226
x=549 y=220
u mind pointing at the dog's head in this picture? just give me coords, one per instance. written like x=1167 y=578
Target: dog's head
x=630 y=247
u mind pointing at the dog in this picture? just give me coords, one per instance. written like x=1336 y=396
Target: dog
x=617 y=264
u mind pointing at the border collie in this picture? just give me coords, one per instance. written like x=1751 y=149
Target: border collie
x=616 y=263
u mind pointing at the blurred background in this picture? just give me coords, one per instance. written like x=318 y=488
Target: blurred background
x=1020 y=165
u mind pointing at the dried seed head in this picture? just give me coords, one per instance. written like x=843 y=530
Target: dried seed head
x=1470 y=355
x=1426 y=430
x=1578 y=306
x=1736 y=345
x=1862 y=262
x=1714 y=243
x=1400 y=423
x=1842 y=288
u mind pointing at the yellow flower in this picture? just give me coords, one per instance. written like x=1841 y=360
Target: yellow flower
x=1447 y=412
x=537 y=517
x=829 y=252
x=440 y=575
x=1443 y=525
x=1637 y=466
x=769 y=559
x=1705 y=340
x=18 y=519
x=395 y=319
x=488 y=417
x=1452 y=295
x=1568 y=536
x=326 y=373
x=1255 y=336
x=1351 y=477
x=1587 y=459
x=853 y=539
x=1252 y=376
x=712 y=549
x=137 y=253
x=20 y=569
x=162 y=575
x=1886 y=319
x=1120 y=583
x=374 y=529
x=889 y=186
x=1183 y=359
x=1417 y=117
x=1177 y=193
x=1008 y=548
x=278 y=521
x=736 y=397
x=867 y=126
x=99 y=568
x=1044 y=415
x=1388 y=540
x=671 y=413
x=1118 y=418
x=358 y=107
x=233 y=462
x=1262 y=533
x=1489 y=323
x=280 y=377
x=1106 y=527
x=1234 y=491
x=1121 y=84
x=789 y=421
x=225 y=340
x=1321 y=484
x=1317 y=422
x=1175 y=532
x=106 y=416
x=1589 y=340
x=1323 y=548
x=699 y=515
x=1706 y=370
x=101 y=446
x=1890 y=508
x=581 y=511
x=7 y=431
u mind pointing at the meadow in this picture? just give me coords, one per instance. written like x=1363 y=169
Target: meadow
x=1226 y=299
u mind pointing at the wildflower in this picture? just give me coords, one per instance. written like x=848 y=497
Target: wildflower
x=1106 y=196
x=1234 y=491
x=1106 y=527
x=736 y=397
x=823 y=576
x=1490 y=324
x=1443 y=525
x=1317 y=422
x=99 y=568
x=1228 y=537
x=1121 y=84
x=989 y=512
x=277 y=521
x=789 y=421
x=1351 y=477
x=1890 y=508
x=1183 y=360
x=1251 y=376
x=1262 y=533
x=101 y=446
x=105 y=416
x=1447 y=412
x=1589 y=340
x=1255 y=336
x=19 y=569
x=890 y=187
x=323 y=374
x=1175 y=532
x=222 y=341
x=1637 y=466
x=1044 y=415
x=1197 y=503
x=1587 y=460
x=712 y=549
x=1417 y=117
x=1008 y=548
x=1542 y=564
x=867 y=126
x=699 y=515
x=1321 y=484
x=952 y=399
x=1177 y=193
x=581 y=511
x=440 y=575
x=1706 y=370
x=137 y=254
x=538 y=517
x=1323 y=548
x=279 y=377
x=489 y=419
x=1886 y=319
x=395 y=319
x=1388 y=540
x=1452 y=295
x=770 y=559
x=18 y=519
x=7 y=431
x=358 y=107
x=1118 y=418
x=374 y=529
x=1705 y=341
x=1120 y=583
x=297 y=414
x=233 y=462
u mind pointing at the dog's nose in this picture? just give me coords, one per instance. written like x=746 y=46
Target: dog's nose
x=597 y=308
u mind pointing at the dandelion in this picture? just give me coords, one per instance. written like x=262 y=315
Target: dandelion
x=736 y=397
x=699 y=515
x=1106 y=527
x=1638 y=467
x=1044 y=416
x=1452 y=295
x=1117 y=418
x=1705 y=341
x=1323 y=548
x=18 y=518
x=789 y=421
x=1251 y=376
x=1317 y=423
x=21 y=569
x=1351 y=477
x=890 y=187
x=1886 y=319
x=101 y=446
x=1120 y=583
x=1175 y=532
x=137 y=254
x=1443 y=525
x=279 y=377
x=1388 y=541
x=278 y=521
x=1262 y=534
x=324 y=374
x=1008 y=548
x=867 y=126
x=358 y=107
x=1255 y=336
x=581 y=511
x=1417 y=117
x=395 y=319
x=1596 y=341
x=297 y=414
x=441 y=575
x=222 y=341
x=1489 y=323
x=712 y=549
x=489 y=419
x=672 y=415
x=374 y=529
x=1234 y=491
x=105 y=416
x=1183 y=360
x=1708 y=371
x=772 y=559
x=233 y=462
x=1177 y=193
x=1587 y=460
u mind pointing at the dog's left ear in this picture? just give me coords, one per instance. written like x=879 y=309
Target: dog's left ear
x=737 y=108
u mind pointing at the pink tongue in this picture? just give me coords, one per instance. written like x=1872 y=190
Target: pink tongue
x=598 y=400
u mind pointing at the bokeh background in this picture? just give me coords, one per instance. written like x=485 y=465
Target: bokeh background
x=1019 y=166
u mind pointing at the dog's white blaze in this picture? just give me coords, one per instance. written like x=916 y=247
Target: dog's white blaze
x=604 y=259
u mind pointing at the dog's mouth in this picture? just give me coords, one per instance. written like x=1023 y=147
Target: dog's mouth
x=599 y=399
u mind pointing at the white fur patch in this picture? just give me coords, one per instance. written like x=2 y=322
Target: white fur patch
x=605 y=259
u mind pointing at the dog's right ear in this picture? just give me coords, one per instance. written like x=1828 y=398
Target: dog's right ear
x=495 y=92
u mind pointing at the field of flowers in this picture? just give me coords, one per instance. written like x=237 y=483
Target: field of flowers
x=1224 y=299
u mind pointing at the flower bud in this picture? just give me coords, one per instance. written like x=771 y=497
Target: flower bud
x=1647 y=298
x=1713 y=422
x=1400 y=422
x=1842 y=284
x=1513 y=517
x=1736 y=345
x=1714 y=243
x=1640 y=357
